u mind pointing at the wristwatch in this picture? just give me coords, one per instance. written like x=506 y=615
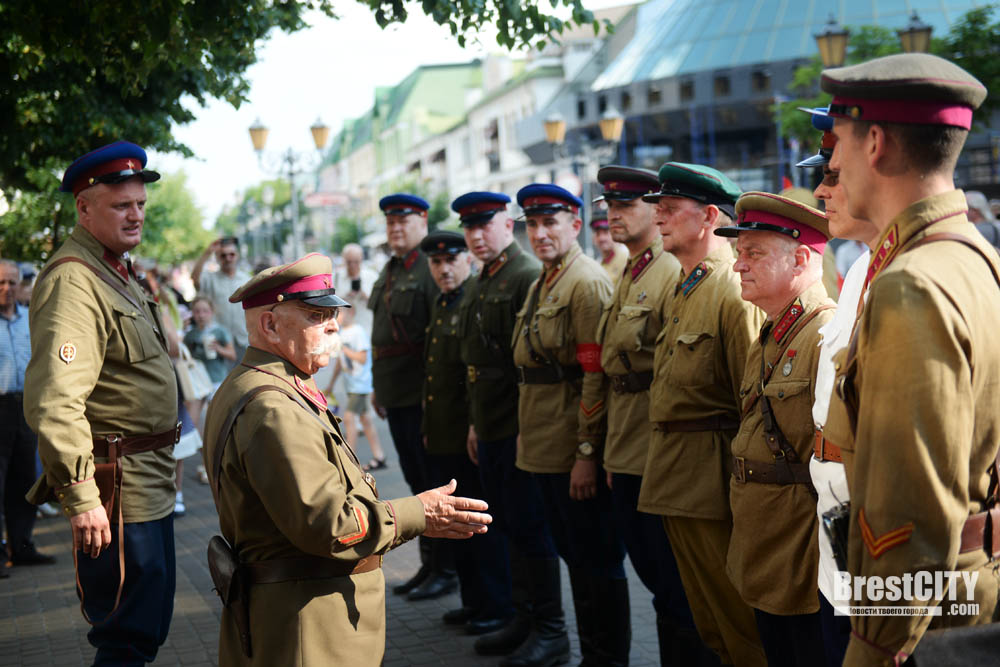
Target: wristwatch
x=585 y=449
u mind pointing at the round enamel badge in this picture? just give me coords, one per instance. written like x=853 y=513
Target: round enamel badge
x=67 y=352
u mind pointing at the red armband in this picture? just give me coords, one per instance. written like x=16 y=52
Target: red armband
x=589 y=356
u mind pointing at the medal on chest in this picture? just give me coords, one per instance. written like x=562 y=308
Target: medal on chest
x=786 y=370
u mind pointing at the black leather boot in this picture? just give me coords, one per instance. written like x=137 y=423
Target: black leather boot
x=509 y=638
x=682 y=646
x=422 y=573
x=548 y=643
x=586 y=627
x=612 y=622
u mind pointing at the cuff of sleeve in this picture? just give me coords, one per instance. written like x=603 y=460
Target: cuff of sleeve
x=410 y=521
x=861 y=651
x=79 y=497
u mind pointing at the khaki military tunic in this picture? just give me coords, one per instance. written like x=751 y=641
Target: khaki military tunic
x=629 y=326
x=616 y=264
x=773 y=524
x=99 y=366
x=697 y=370
x=558 y=325
x=401 y=305
x=923 y=386
x=487 y=324
x=446 y=411
x=290 y=487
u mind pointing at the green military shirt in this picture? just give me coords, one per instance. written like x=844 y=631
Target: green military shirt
x=446 y=411
x=290 y=487
x=487 y=324
x=401 y=307
x=99 y=366
x=774 y=525
x=558 y=323
x=631 y=322
x=697 y=369
x=923 y=387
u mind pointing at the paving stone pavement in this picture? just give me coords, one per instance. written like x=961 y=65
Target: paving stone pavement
x=40 y=621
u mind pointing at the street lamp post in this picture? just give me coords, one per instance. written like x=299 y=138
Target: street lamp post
x=832 y=43
x=291 y=163
x=583 y=154
x=916 y=37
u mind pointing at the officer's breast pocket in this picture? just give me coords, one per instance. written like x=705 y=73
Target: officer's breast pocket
x=631 y=327
x=498 y=314
x=791 y=402
x=402 y=300
x=136 y=334
x=378 y=289
x=553 y=326
x=692 y=360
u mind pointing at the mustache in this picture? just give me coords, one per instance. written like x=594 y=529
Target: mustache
x=329 y=345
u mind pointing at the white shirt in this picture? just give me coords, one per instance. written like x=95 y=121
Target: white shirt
x=829 y=477
x=218 y=287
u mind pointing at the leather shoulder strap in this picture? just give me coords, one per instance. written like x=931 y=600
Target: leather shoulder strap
x=96 y=271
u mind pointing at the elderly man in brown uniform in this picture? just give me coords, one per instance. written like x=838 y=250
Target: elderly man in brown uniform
x=562 y=416
x=303 y=519
x=926 y=340
x=694 y=403
x=401 y=305
x=101 y=394
x=639 y=307
x=779 y=248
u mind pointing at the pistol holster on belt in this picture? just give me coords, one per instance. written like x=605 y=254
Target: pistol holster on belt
x=224 y=567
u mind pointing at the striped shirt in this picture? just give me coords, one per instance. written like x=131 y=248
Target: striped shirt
x=15 y=350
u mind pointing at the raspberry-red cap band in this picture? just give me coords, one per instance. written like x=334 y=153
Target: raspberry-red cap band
x=122 y=164
x=923 y=112
x=807 y=235
x=542 y=201
x=307 y=284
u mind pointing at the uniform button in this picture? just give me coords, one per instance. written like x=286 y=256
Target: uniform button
x=671 y=353
x=691 y=348
x=430 y=358
x=439 y=321
x=430 y=397
x=430 y=377
x=61 y=496
x=676 y=320
x=482 y=296
x=836 y=366
x=781 y=394
x=434 y=340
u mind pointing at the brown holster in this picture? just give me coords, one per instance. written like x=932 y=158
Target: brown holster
x=232 y=578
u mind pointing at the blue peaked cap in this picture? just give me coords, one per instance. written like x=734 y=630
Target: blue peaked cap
x=547 y=198
x=114 y=163
x=402 y=203
x=478 y=207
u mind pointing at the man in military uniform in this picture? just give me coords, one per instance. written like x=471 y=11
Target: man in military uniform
x=487 y=326
x=694 y=403
x=926 y=340
x=562 y=417
x=636 y=314
x=481 y=562
x=401 y=305
x=101 y=394
x=614 y=256
x=304 y=520
x=779 y=247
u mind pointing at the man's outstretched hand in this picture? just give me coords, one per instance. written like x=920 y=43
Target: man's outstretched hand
x=451 y=516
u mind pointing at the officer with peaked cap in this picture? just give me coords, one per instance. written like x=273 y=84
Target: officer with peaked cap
x=613 y=255
x=639 y=308
x=826 y=468
x=926 y=338
x=486 y=327
x=481 y=562
x=302 y=517
x=562 y=412
x=400 y=302
x=101 y=394
x=779 y=250
x=694 y=402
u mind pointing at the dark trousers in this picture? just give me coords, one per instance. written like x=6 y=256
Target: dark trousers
x=515 y=499
x=481 y=561
x=585 y=531
x=139 y=627
x=791 y=641
x=836 y=633
x=649 y=550
x=18 y=446
x=404 y=425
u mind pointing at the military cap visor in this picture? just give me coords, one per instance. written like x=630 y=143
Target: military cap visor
x=904 y=88
x=309 y=280
x=766 y=212
x=700 y=183
x=115 y=163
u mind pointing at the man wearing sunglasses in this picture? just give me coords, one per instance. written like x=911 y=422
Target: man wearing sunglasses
x=218 y=285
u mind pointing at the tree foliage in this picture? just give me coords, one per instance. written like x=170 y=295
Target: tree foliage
x=173 y=230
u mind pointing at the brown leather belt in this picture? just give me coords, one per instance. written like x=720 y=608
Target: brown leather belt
x=136 y=444
x=291 y=569
x=982 y=531
x=548 y=374
x=632 y=382
x=761 y=472
x=476 y=373
x=715 y=423
x=398 y=350
x=824 y=450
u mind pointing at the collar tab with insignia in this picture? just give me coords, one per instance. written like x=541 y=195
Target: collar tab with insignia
x=115 y=263
x=692 y=280
x=885 y=253
x=315 y=396
x=410 y=258
x=642 y=262
x=784 y=325
x=494 y=266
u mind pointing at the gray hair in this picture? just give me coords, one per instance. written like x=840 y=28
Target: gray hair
x=11 y=263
